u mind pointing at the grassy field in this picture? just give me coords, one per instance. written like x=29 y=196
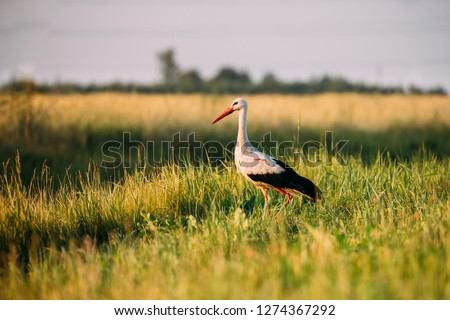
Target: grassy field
x=69 y=130
x=382 y=230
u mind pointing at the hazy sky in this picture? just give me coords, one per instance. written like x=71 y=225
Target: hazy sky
x=387 y=42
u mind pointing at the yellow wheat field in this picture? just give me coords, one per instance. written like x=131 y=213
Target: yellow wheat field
x=151 y=112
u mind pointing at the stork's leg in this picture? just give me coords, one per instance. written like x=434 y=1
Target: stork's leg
x=288 y=195
x=265 y=191
x=288 y=199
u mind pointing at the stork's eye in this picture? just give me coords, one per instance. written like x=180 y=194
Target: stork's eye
x=235 y=103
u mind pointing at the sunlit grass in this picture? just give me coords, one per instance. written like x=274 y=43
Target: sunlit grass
x=157 y=112
x=381 y=232
x=199 y=231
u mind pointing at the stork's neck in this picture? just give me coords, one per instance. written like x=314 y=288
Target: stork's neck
x=242 y=139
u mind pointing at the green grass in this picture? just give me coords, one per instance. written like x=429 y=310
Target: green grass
x=199 y=231
x=381 y=232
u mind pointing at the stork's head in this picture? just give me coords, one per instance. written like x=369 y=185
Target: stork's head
x=238 y=104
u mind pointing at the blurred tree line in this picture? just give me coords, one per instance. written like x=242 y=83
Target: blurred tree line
x=227 y=80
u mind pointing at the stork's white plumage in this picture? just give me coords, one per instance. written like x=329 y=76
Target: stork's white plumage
x=264 y=171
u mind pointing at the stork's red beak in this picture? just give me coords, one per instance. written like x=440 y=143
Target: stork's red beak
x=227 y=112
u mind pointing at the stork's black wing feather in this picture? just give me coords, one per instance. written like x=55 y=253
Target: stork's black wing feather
x=289 y=179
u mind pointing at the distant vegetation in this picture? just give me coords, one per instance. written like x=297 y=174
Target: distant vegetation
x=227 y=80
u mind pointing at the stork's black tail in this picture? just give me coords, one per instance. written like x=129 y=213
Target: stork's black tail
x=299 y=183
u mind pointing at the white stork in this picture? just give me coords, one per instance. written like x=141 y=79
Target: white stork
x=264 y=171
